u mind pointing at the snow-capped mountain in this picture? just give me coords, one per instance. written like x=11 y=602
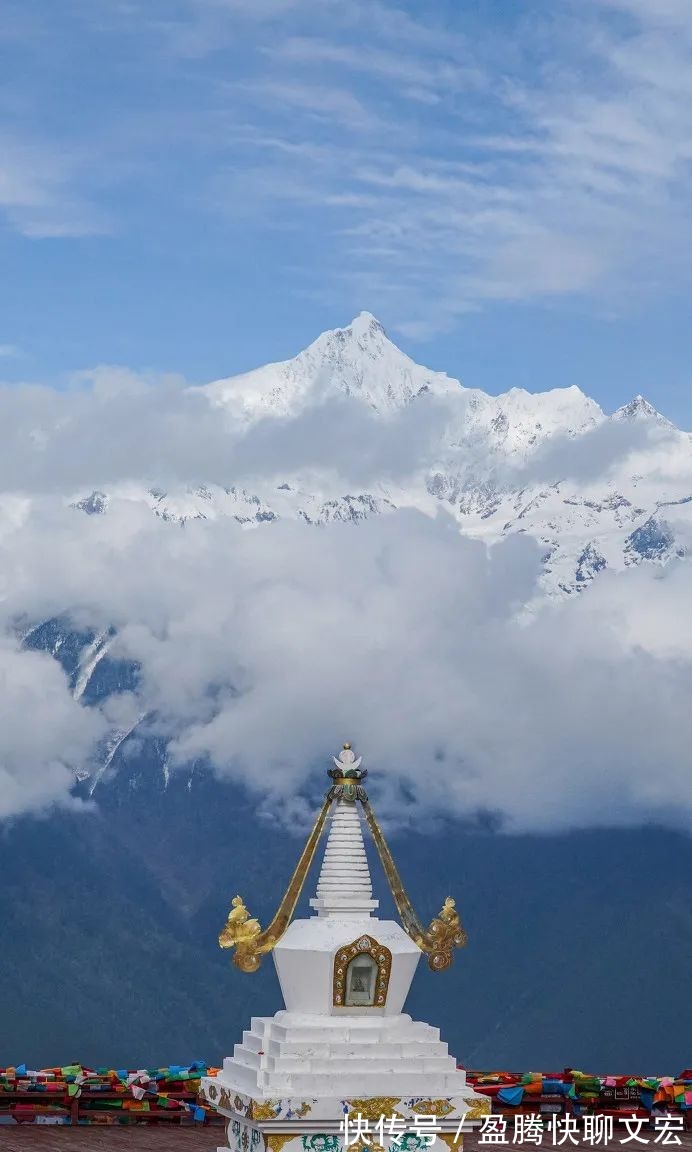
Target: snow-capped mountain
x=358 y=361
x=597 y=491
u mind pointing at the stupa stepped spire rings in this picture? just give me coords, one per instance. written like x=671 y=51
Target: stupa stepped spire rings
x=344 y=887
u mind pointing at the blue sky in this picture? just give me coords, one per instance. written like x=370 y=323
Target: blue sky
x=199 y=186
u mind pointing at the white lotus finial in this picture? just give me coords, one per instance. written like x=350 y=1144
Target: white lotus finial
x=347 y=759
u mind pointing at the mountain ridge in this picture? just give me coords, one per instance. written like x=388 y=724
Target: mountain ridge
x=552 y=464
x=352 y=351
x=367 y=335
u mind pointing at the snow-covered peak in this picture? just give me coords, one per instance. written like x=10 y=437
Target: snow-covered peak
x=639 y=409
x=524 y=418
x=359 y=361
x=558 y=407
x=517 y=422
x=365 y=327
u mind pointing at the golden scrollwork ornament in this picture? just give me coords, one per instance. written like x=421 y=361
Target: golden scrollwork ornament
x=444 y=933
x=242 y=932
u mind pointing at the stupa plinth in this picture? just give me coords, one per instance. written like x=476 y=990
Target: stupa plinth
x=342 y=1047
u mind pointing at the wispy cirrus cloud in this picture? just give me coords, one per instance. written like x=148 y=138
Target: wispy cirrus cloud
x=436 y=165
x=414 y=75
x=41 y=191
x=518 y=179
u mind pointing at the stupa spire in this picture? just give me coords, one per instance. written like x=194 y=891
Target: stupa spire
x=344 y=887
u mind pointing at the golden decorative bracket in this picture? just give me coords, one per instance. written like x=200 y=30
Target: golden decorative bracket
x=245 y=934
x=444 y=932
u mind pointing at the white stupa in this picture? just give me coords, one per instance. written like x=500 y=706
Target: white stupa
x=342 y=1046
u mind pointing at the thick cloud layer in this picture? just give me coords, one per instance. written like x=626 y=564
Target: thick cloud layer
x=263 y=649
x=44 y=733
x=607 y=449
x=113 y=426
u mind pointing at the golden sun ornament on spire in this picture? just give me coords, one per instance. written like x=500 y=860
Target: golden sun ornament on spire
x=438 y=941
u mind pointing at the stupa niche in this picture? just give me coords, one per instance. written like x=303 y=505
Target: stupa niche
x=342 y=1046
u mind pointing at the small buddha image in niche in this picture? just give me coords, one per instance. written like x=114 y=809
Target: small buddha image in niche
x=361 y=982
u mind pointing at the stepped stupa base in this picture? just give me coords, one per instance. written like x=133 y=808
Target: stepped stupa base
x=298 y=1082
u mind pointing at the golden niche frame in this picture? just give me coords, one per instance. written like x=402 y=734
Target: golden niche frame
x=363 y=946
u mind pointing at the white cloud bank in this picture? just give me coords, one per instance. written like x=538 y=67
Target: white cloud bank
x=43 y=732
x=112 y=425
x=263 y=649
